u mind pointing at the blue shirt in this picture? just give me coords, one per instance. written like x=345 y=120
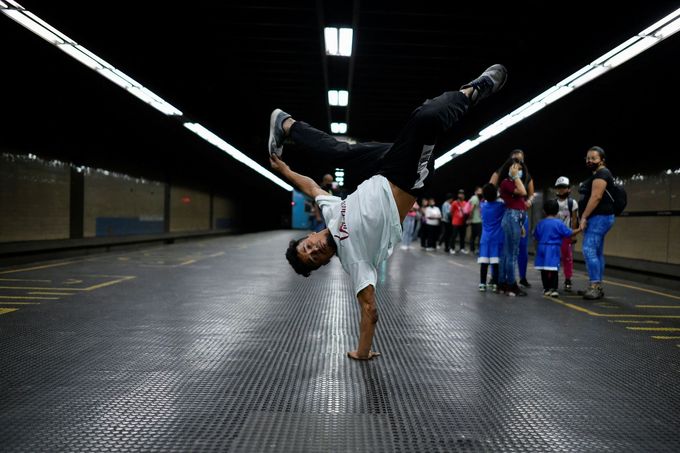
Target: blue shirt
x=551 y=231
x=492 y=215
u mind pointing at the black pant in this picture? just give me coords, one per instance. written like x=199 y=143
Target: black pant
x=432 y=235
x=407 y=162
x=475 y=232
x=446 y=234
x=458 y=231
x=549 y=279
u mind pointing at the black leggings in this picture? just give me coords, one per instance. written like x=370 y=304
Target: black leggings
x=408 y=162
x=484 y=267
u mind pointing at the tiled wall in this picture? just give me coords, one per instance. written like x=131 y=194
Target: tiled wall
x=118 y=205
x=34 y=199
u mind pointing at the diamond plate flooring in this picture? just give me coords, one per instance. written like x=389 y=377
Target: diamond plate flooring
x=216 y=345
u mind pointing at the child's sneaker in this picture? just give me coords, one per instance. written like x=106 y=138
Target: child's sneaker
x=567 y=285
x=482 y=288
x=493 y=287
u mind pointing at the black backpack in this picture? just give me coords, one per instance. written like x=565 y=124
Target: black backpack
x=618 y=196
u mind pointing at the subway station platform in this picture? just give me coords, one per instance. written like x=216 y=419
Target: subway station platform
x=216 y=345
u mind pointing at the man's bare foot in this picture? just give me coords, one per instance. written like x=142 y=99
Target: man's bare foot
x=355 y=355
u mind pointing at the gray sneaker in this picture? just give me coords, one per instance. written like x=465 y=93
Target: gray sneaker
x=593 y=293
x=276 y=134
x=491 y=81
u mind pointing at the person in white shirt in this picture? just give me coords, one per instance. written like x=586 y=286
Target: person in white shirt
x=433 y=218
x=364 y=228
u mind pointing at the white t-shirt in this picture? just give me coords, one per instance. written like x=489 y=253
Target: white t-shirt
x=563 y=213
x=432 y=215
x=365 y=227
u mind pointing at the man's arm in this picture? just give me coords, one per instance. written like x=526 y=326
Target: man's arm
x=304 y=184
x=369 y=318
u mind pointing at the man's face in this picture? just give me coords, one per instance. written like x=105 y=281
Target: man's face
x=316 y=250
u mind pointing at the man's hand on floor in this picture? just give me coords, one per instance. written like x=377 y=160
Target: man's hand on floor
x=355 y=355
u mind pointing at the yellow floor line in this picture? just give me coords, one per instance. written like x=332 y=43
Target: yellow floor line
x=7 y=310
x=651 y=291
x=19 y=303
x=29 y=297
x=26 y=269
x=187 y=262
x=656 y=329
x=23 y=280
x=50 y=294
x=630 y=321
x=676 y=307
x=89 y=288
x=609 y=315
x=661 y=337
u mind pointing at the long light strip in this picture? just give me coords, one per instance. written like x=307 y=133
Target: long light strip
x=213 y=139
x=19 y=14
x=630 y=48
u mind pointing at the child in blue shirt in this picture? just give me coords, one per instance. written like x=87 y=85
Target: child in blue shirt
x=491 y=242
x=549 y=234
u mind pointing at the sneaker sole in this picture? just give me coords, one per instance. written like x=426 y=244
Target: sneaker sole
x=273 y=149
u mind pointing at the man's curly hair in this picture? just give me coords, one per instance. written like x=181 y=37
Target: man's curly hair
x=295 y=261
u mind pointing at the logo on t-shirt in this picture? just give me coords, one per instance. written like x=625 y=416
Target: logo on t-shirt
x=343 y=232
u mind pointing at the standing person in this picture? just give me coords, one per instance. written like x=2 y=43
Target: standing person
x=491 y=242
x=422 y=232
x=408 y=227
x=523 y=253
x=445 y=237
x=513 y=193
x=597 y=218
x=363 y=228
x=549 y=234
x=433 y=217
x=459 y=214
x=475 y=218
x=568 y=214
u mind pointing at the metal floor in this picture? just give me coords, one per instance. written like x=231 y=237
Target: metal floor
x=217 y=345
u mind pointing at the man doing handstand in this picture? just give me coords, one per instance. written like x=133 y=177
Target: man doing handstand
x=364 y=228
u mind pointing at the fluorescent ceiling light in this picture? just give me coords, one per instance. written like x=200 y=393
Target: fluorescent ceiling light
x=3 y=5
x=47 y=26
x=235 y=153
x=338 y=128
x=563 y=91
x=33 y=26
x=630 y=48
x=115 y=78
x=594 y=72
x=331 y=37
x=343 y=97
x=338 y=41
x=333 y=97
x=668 y=30
x=345 y=47
x=632 y=51
x=81 y=57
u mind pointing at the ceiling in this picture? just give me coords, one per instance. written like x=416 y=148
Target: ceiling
x=227 y=64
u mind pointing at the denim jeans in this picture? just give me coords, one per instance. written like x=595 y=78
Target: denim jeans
x=512 y=226
x=408 y=228
x=593 y=245
x=523 y=254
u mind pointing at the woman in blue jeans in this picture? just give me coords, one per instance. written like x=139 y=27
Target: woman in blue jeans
x=513 y=193
x=597 y=218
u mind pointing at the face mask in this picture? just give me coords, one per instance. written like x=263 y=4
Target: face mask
x=519 y=174
x=592 y=165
